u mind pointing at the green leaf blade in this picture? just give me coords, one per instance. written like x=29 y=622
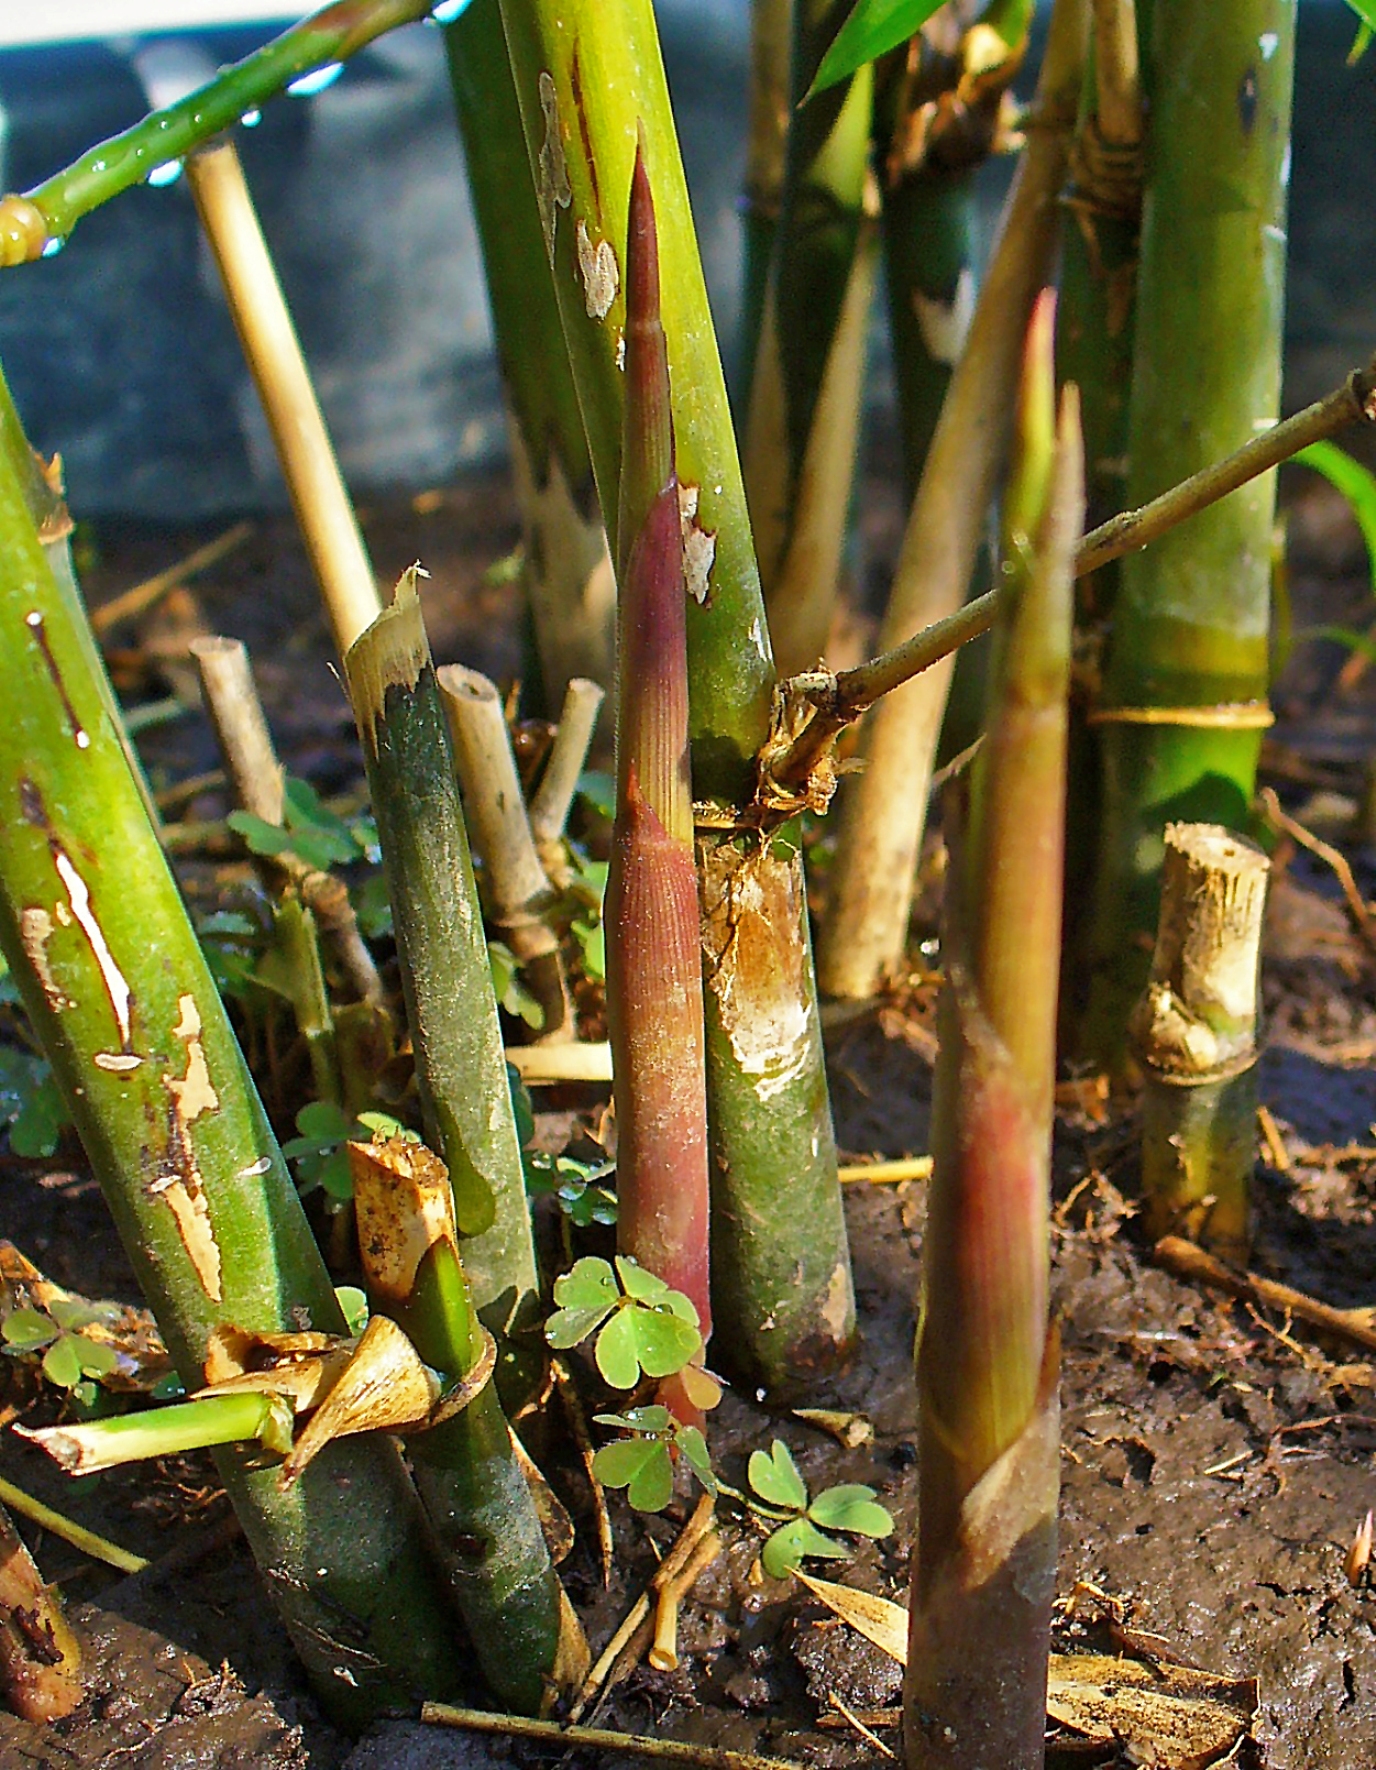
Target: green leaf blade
x=873 y=29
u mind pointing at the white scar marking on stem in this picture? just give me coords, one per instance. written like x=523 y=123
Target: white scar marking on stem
x=254 y=1169
x=35 y=930
x=117 y=1062
x=183 y=1189
x=115 y=987
x=944 y=324
x=601 y=278
x=699 y=545
x=553 y=190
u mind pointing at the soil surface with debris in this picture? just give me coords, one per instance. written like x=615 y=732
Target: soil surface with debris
x=1217 y=1459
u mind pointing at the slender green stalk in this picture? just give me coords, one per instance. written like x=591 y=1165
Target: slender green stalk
x=771 y=38
x=984 y=1561
x=883 y=811
x=590 y=83
x=654 y=973
x=567 y=572
x=471 y=1483
x=127 y=1013
x=809 y=369
x=1184 y=696
x=199 y=1424
x=52 y=209
x=444 y=970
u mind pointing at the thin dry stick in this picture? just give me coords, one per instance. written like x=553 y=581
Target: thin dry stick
x=541 y=1065
x=578 y=1425
x=231 y=698
x=640 y=1745
x=1186 y=1260
x=663 y=1654
x=913 y=1167
x=1353 y=402
x=140 y=597
x=549 y=809
x=99 y=1548
x=637 y=1617
x=322 y=504
x=1285 y=825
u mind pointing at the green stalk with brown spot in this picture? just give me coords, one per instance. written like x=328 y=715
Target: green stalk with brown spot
x=566 y=570
x=465 y=1465
x=445 y=977
x=809 y=370
x=1183 y=706
x=654 y=972
x=590 y=82
x=117 y=990
x=984 y=1561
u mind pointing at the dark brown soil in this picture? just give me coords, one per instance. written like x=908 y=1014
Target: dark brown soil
x=1217 y=1460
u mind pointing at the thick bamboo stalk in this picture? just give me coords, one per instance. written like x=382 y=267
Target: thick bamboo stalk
x=1184 y=695
x=1194 y=1031
x=444 y=970
x=117 y=990
x=566 y=569
x=51 y=210
x=883 y=812
x=984 y=1560
x=591 y=84
x=323 y=507
x=465 y=1465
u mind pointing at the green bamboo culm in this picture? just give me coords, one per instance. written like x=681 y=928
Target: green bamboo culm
x=119 y=995
x=568 y=579
x=466 y=1467
x=1184 y=695
x=809 y=369
x=590 y=81
x=446 y=979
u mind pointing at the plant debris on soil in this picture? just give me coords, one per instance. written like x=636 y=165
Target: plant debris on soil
x=1218 y=1457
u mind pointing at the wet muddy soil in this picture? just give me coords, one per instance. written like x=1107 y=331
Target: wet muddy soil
x=1217 y=1460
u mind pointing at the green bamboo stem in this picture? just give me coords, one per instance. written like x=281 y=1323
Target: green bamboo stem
x=40 y=1655
x=771 y=39
x=50 y=211
x=118 y=992
x=470 y=1480
x=566 y=568
x=591 y=85
x=198 y=1424
x=444 y=969
x=1194 y=1033
x=809 y=368
x=1183 y=704
x=984 y=1560
x=883 y=811
x=654 y=972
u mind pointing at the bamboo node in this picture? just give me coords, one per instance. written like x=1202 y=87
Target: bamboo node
x=1223 y=716
x=1105 y=176
x=463 y=1393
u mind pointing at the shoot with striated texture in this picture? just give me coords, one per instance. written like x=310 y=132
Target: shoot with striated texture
x=984 y=1560
x=654 y=973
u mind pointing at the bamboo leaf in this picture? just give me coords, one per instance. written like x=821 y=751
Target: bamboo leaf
x=873 y=29
x=775 y=1478
x=1356 y=483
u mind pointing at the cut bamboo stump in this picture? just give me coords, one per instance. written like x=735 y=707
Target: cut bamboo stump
x=1194 y=1031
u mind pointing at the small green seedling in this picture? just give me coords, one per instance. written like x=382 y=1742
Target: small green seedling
x=309 y=830
x=511 y=993
x=645 y=1328
x=573 y=1185
x=780 y=1487
x=318 y=1153
x=643 y=1463
x=71 y=1360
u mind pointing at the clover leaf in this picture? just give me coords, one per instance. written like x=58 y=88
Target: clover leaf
x=644 y=1462
x=774 y=1476
x=849 y=1508
x=649 y=1329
